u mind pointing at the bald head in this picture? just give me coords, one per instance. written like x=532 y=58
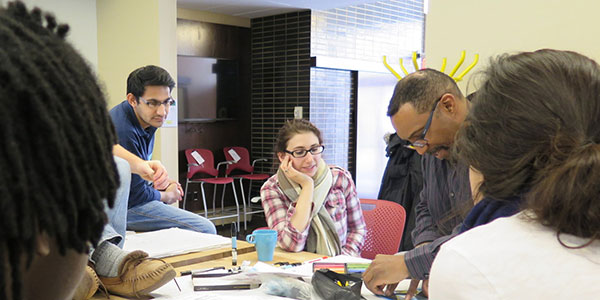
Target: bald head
x=422 y=88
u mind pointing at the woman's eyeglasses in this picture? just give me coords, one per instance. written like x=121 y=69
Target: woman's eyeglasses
x=299 y=153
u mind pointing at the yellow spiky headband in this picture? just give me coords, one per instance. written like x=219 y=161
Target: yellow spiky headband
x=442 y=69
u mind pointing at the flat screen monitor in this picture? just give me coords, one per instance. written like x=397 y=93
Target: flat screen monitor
x=207 y=87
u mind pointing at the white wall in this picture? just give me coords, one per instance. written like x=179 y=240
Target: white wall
x=492 y=27
x=132 y=34
x=81 y=17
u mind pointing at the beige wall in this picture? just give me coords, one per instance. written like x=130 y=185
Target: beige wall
x=209 y=17
x=491 y=27
x=81 y=17
x=132 y=34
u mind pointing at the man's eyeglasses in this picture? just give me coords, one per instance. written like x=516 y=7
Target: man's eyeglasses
x=155 y=103
x=302 y=152
x=421 y=142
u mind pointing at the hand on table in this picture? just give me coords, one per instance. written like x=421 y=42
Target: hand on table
x=412 y=289
x=384 y=274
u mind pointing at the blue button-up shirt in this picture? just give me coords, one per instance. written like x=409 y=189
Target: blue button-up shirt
x=138 y=141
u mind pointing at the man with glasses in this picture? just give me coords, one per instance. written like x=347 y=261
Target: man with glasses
x=426 y=109
x=136 y=120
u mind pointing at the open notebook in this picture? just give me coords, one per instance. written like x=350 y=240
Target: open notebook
x=173 y=241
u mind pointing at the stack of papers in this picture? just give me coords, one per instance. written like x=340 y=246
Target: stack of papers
x=173 y=241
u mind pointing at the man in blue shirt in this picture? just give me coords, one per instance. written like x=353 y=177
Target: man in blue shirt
x=136 y=120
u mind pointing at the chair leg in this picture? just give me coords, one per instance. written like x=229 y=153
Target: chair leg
x=185 y=192
x=244 y=203
x=215 y=199
x=204 y=200
x=237 y=204
x=223 y=200
x=249 y=190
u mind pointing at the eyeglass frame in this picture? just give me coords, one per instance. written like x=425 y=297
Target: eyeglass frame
x=311 y=150
x=167 y=103
x=416 y=144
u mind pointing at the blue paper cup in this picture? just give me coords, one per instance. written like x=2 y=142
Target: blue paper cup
x=264 y=241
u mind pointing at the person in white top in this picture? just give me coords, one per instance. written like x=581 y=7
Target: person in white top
x=533 y=131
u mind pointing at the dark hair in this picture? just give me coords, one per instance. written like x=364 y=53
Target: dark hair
x=533 y=129
x=140 y=78
x=57 y=138
x=422 y=88
x=293 y=127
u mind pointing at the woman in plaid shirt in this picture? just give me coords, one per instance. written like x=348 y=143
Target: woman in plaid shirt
x=312 y=206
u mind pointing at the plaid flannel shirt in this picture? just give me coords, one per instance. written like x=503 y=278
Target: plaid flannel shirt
x=341 y=203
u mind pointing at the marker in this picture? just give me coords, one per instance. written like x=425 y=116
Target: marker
x=233 y=244
x=224 y=287
x=316 y=259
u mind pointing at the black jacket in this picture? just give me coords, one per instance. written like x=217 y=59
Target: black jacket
x=402 y=182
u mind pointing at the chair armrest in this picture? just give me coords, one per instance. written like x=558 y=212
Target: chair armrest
x=227 y=162
x=191 y=165
x=257 y=160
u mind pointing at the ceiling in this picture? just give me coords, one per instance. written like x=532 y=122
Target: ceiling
x=260 y=8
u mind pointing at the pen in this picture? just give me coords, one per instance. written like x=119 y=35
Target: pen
x=233 y=244
x=177 y=284
x=189 y=272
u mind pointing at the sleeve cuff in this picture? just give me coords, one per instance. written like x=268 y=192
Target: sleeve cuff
x=418 y=262
x=156 y=195
x=297 y=233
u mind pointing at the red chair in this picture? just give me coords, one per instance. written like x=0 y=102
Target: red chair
x=201 y=161
x=239 y=159
x=385 y=225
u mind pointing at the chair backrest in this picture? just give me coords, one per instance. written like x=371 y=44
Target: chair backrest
x=242 y=164
x=206 y=167
x=385 y=225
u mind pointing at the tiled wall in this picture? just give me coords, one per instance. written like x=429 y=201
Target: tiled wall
x=366 y=32
x=280 y=77
x=331 y=109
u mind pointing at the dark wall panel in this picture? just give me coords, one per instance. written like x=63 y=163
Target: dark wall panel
x=280 y=77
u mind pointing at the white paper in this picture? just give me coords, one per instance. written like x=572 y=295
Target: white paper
x=197 y=157
x=234 y=155
x=174 y=241
x=170 y=291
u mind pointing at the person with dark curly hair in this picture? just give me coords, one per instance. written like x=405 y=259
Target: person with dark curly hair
x=54 y=119
x=59 y=173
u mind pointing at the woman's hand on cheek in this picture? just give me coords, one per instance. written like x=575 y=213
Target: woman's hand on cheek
x=294 y=175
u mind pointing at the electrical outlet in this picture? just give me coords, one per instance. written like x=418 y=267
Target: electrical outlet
x=298 y=112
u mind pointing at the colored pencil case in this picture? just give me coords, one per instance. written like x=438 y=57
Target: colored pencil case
x=330 y=285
